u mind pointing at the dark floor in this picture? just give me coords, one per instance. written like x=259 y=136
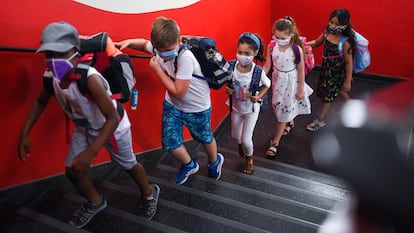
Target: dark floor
x=285 y=195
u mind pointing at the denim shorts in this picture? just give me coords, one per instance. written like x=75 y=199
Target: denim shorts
x=173 y=120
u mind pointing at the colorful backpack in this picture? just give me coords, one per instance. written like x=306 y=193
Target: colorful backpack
x=254 y=86
x=215 y=68
x=362 y=57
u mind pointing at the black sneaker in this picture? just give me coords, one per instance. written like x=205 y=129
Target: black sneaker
x=150 y=203
x=86 y=212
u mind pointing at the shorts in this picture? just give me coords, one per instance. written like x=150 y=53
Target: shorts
x=173 y=121
x=119 y=146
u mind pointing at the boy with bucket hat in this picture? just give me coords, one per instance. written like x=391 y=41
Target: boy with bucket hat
x=99 y=122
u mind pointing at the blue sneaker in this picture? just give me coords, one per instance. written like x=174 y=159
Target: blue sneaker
x=214 y=171
x=185 y=172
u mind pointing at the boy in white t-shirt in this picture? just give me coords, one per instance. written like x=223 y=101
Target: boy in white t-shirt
x=187 y=99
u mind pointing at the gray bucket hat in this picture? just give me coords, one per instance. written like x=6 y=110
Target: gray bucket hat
x=59 y=37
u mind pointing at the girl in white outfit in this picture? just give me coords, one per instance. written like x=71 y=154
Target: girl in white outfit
x=290 y=92
x=246 y=105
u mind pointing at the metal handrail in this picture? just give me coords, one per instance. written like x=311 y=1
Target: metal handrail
x=32 y=50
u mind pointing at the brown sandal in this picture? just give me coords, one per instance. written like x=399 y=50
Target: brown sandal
x=241 y=151
x=248 y=165
x=272 y=150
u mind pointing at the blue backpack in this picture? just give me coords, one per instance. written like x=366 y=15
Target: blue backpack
x=362 y=57
x=254 y=86
x=215 y=68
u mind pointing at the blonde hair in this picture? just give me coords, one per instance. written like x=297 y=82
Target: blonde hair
x=164 y=33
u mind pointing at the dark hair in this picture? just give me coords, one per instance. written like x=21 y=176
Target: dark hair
x=249 y=38
x=287 y=23
x=344 y=18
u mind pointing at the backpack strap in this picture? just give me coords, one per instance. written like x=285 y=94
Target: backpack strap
x=48 y=82
x=297 y=53
x=232 y=66
x=341 y=45
x=254 y=84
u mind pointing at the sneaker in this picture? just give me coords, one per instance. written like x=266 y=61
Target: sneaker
x=151 y=202
x=316 y=125
x=86 y=212
x=185 y=172
x=214 y=171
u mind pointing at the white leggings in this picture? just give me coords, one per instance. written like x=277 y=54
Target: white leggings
x=242 y=126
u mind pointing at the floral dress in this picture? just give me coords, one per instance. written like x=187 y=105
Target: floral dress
x=332 y=76
x=285 y=83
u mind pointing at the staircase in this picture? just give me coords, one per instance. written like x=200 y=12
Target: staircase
x=278 y=197
x=286 y=195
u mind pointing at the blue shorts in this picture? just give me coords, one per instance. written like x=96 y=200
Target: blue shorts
x=173 y=121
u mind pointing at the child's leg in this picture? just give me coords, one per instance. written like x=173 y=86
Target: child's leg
x=272 y=150
x=325 y=106
x=139 y=176
x=236 y=126
x=81 y=181
x=84 y=185
x=249 y=123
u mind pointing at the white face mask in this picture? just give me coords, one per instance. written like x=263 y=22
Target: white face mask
x=283 y=42
x=244 y=60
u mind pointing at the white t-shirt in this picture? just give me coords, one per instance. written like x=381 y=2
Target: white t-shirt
x=241 y=86
x=197 y=98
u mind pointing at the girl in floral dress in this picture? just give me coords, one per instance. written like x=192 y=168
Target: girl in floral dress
x=290 y=92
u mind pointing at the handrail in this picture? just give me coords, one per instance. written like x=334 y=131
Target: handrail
x=32 y=50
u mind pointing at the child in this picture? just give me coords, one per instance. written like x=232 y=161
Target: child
x=246 y=106
x=336 y=75
x=97 y=123
x=187 y=99
x=290 y=92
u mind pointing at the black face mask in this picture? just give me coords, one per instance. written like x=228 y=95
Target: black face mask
x=334 y=30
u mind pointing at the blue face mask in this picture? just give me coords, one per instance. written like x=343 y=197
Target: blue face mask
x=167 y=55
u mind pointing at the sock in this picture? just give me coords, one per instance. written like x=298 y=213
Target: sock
x=190 y=164
x=213 y=164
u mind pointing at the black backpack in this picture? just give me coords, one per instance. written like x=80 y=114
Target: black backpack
x=215 y=68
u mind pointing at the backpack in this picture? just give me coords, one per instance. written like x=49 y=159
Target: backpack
x=100 y=52
x=215 y=68
x=309 y=58
x=254 y=86
x=362 y=57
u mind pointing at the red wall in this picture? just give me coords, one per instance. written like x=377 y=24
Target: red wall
x=388 y=25
x=21 y=26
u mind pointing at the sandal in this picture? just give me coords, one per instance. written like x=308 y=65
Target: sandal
x=289 y=127
x=316 y=125
x=272 y=150
x=241 y=151
x=248 y=165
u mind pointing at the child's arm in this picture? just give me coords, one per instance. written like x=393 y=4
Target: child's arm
x=268 y=62
x=176 y=87
x=317 y=42
x=348 y=67
x=137 y=44
x=301 y=76
x=96 y=88
x=35 y=111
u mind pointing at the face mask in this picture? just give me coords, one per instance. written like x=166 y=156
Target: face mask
x=167 y=55
x=283 y=42
x=60 y=66
x=335 y=30
x=244 y=60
